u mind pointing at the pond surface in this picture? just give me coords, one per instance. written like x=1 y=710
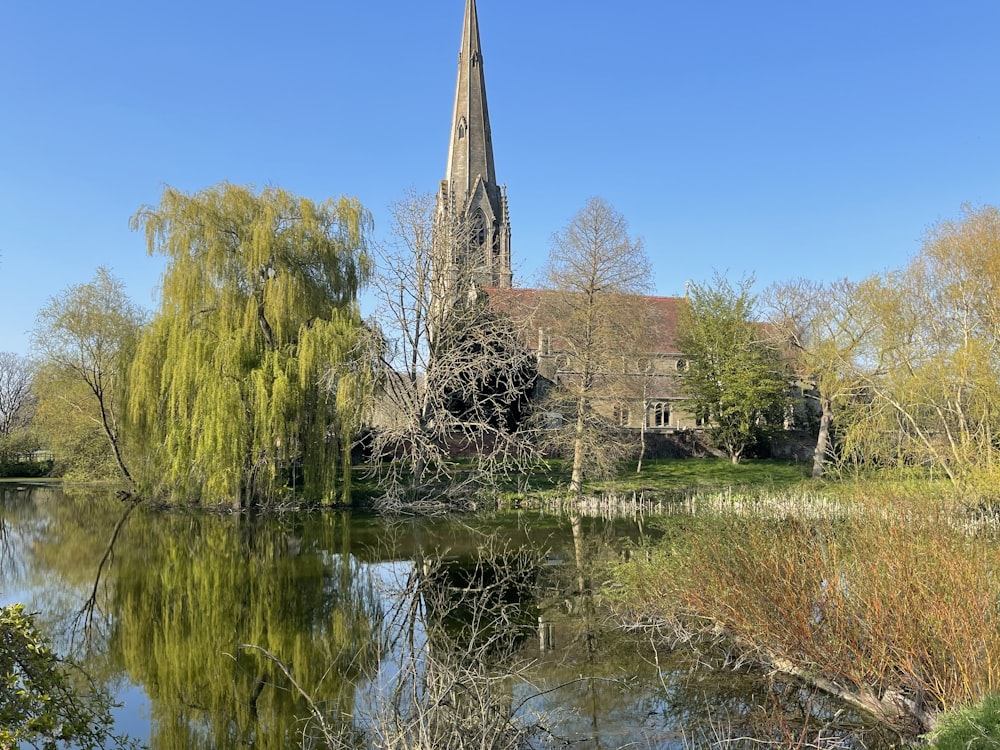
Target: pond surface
x=337 y=630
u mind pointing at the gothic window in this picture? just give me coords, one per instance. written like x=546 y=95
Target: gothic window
x=462 y=129
x=477 y=229
x=659 y=414
x=621 y=415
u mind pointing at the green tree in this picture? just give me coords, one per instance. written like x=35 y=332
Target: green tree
x=734 y=379
x=85 y=338
x=597 y=322
x=39 y=703
x=258 y=311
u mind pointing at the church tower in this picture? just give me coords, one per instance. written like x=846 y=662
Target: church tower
x=472 y=222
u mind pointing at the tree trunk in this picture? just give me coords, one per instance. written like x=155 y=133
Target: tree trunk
x=823 y=439
x=111 y=433
x=576 y=481
x=642 y=438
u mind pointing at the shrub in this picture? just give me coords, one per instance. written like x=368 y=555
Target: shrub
x=891 y=606
x=39 y=704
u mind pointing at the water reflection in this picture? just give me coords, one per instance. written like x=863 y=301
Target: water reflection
x=326 y=629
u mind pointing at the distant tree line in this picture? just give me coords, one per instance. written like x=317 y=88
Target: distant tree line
x=257 y=376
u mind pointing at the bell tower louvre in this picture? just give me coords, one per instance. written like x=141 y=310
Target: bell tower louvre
x=472 y=221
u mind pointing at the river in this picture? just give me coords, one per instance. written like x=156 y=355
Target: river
x=320 y=629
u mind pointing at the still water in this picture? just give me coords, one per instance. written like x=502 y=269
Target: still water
x=329 y=629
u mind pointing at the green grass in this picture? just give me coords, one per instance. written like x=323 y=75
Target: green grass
x=669 y=476
x=672 y=474
x=975 y=728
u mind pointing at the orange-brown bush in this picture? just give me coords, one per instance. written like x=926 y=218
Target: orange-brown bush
x=894 y=608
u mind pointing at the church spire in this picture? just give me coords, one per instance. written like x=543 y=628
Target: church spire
x=471 y=152
x=470 y=196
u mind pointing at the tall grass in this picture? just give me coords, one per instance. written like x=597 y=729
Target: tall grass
x=891 y=605
x=973 y=728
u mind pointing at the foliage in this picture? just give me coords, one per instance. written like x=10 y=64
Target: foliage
x=880 y=601
x=40 y=704
x=85 y=338
x=455 y=375
x=17 y=456
x=598 y=326
x=734 y=379
x=932 y=366
x=68 y=424
x=975 y=727
x=258 y=310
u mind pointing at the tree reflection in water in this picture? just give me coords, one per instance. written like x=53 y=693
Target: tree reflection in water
x=423 y=635
x=189 y=595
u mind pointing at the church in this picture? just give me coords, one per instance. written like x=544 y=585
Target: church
x=471 y=199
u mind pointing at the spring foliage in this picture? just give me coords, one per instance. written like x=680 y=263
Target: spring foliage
x=40 y=705
x=733 y=379
x=247 y=378
x=84 y=339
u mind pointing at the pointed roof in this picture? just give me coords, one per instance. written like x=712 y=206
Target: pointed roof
x=471 y=152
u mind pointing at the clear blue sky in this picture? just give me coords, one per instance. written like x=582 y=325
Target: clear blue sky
x=785 y=138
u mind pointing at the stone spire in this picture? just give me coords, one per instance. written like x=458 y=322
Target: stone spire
x=473 y=222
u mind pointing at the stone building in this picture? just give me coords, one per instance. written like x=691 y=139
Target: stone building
x=654 y=401
x=473 y=249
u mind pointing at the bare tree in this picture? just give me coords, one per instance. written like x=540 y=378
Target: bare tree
x=825 y=330
x=455 y=373
x=16 y=399
x=597 y=324
x=451 y=648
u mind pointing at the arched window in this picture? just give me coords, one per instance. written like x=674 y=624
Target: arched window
x=659 y=414
x=477 y=229
x=621 y=415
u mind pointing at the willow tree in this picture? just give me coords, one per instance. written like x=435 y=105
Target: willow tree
x=932 y=368
x=259 y=306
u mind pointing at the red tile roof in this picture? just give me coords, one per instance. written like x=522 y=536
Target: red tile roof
x=523 y=304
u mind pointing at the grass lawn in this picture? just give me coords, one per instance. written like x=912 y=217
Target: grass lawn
x=684 y=474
